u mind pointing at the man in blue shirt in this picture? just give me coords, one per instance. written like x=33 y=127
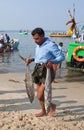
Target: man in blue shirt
x=47 y=53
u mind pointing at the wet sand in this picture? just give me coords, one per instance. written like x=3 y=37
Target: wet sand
x=17 y=113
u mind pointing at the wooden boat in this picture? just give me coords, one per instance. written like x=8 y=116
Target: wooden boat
x=9 y=47
x=71 y=31
x=60 y=35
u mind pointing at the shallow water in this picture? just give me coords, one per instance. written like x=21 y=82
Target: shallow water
x=11 y=62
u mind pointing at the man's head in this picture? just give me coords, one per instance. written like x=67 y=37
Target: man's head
x=61 y=44
x=38 y=35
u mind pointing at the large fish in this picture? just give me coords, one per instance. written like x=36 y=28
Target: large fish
x=48 y=91
x=28 y=82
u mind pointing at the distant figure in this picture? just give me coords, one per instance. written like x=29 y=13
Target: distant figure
x=7 y=38
x=81 y=39
x=60 y=47
x=1 y=38
x=57 y=66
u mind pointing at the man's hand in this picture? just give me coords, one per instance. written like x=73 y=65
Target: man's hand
x=29 y=60
x=48 y=64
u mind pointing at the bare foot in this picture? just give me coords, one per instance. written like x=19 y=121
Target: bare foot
x=52 y=110
x=40 y=114
x=55 y=81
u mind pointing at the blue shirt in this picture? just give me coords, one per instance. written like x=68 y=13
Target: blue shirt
x=48 y=51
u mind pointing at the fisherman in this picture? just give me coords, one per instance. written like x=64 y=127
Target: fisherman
x=7 y=38
x=46 y=54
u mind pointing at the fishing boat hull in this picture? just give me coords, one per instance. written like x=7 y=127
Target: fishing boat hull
x=9 y=47
x=75 y=56
x=59 y=35
x=23 y=33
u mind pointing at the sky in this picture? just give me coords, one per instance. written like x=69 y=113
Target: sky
x=48 y=14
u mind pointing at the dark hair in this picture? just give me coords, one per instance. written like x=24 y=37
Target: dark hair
x=39 y=31
x=61 y=43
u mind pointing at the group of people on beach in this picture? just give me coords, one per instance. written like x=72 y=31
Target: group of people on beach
x=47 y=55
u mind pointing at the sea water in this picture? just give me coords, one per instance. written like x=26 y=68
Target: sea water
x=11 y=62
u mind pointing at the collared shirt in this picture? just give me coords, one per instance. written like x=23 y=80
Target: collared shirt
x=48 y=51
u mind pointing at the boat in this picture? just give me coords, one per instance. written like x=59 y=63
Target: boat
x=23 y=32
x=9 y=47
x=72 y=31
x=60 y=35
x=75 y=56
x=75 y=53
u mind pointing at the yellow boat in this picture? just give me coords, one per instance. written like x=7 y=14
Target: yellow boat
x=72 y=30
x=60 y=35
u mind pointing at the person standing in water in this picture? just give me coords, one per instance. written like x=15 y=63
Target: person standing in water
x=7 y=38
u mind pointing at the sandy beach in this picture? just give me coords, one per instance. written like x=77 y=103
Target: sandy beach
x=17 y=113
